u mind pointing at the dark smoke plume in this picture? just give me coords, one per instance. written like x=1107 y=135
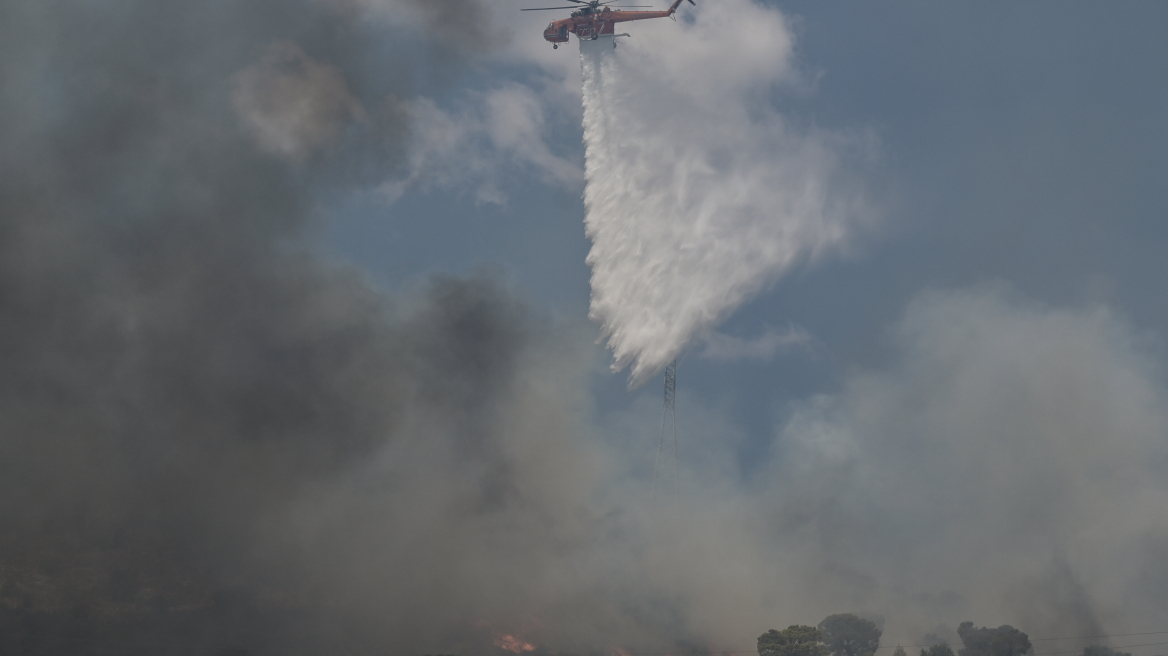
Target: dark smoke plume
x=178 y=370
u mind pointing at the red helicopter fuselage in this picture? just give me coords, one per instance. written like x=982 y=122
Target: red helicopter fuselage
x=595 y=24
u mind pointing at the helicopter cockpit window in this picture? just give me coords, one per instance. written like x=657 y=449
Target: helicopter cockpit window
x=551 y=26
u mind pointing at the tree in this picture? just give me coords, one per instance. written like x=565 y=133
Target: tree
x=939 y=649
x=899 y=651
x=795 y=640
x=848 y=635
x=1002 y=641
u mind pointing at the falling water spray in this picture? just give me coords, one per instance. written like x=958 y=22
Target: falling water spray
x=699 y=194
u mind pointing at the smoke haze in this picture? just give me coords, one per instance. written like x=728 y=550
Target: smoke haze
x=212 y=439
x=699 y=192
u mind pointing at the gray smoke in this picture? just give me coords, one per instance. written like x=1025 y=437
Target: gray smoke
x=211 y=440
x=179 y=371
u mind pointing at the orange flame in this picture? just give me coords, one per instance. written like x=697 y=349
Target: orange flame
x=512 y=644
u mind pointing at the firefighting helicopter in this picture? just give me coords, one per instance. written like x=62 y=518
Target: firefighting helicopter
x=592 y=19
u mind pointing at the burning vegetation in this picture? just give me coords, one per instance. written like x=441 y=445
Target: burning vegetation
x=844 y=634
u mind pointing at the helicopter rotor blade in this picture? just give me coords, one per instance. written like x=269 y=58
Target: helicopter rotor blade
x=545 y=8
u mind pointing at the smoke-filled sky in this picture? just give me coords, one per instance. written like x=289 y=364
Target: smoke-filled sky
x=298 y=357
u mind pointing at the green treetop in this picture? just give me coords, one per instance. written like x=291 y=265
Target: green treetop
x=1002 y=641
x=940 y=649
x=848 y=635
x=795 y=640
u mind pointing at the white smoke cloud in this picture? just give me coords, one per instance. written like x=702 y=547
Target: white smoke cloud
x=497 y=132
x=700 y=193
x=1009 y=467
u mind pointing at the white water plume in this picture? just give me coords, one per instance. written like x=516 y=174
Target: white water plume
x=699 y=192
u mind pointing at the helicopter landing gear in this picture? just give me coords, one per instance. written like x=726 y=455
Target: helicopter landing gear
x=595 y=37
x=555 y=45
